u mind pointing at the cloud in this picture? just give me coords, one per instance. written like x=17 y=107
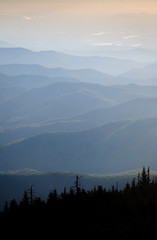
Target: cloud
x=26 y=18
x=103 y=44
x=130 y=36
x=118 y=44
x=108 y=44
x=99 y=34
x=136 y=45
x=103 y=33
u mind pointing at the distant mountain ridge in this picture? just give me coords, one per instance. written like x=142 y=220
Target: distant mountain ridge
x=26 y=113
x=147 y=72
x=60 y=100
x=55 y=59
x=68 y=100
x=114 y=147
x=138 y=54
x=30 y=71
x=58 y=115
x=31 y=81
x=134 y=109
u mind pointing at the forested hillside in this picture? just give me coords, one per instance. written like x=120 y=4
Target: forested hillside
x=113 y=213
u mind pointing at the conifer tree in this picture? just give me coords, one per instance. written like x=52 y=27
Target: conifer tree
x=25 y=200
x=6 y=208
x=77 y=184
x=52 y=197
x=13 y=205
x=144 y=178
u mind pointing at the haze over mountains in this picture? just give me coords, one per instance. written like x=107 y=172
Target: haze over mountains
x=80 y=114
x=54 y=102
x=114 y=147
x=138 y=54
x=56 y=59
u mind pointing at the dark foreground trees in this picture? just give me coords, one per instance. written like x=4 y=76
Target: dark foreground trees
x=110 y=214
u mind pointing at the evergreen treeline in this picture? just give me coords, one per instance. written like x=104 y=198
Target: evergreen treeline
x=111 y=214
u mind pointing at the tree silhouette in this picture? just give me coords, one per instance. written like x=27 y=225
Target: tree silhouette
x=114 y=214
x=13 y=205
x=6 y=207
x=25 y=201
x=144 y=178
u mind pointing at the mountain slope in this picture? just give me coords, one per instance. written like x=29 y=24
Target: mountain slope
x=114 y=147
x=38 y=71
x=14 y=134
x=56 y=151
x=134 y=109
x=31 y=81
x=21 y=119
x=55 y=59
x=38 y=111
x=60 y=100
x=7 y=93
x=147 y=72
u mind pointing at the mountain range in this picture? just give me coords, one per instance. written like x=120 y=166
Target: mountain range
x=34 y=75
x=130 y=110
x=135 y=109
x=111 y=148
x=67 y=113
x=54 y=59
x=137 y=54
x=64 y=115
x=145 y=73
x=75 y=101
x=60 y=100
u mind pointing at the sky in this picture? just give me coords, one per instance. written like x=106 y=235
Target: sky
x=78 y=24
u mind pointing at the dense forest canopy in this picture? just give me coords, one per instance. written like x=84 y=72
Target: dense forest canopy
x=114 y=213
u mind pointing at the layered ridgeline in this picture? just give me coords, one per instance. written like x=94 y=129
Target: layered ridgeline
x=75 y=101
x=41 y=75
x=55 y=59
x=63 y=115
x=31 y=114
x=113 y=147
x=68 y=113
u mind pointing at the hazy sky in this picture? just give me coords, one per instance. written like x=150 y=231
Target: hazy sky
x=78 y=24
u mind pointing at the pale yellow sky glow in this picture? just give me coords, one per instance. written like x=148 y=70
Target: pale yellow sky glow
x=88 y=7
x=78 y=24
